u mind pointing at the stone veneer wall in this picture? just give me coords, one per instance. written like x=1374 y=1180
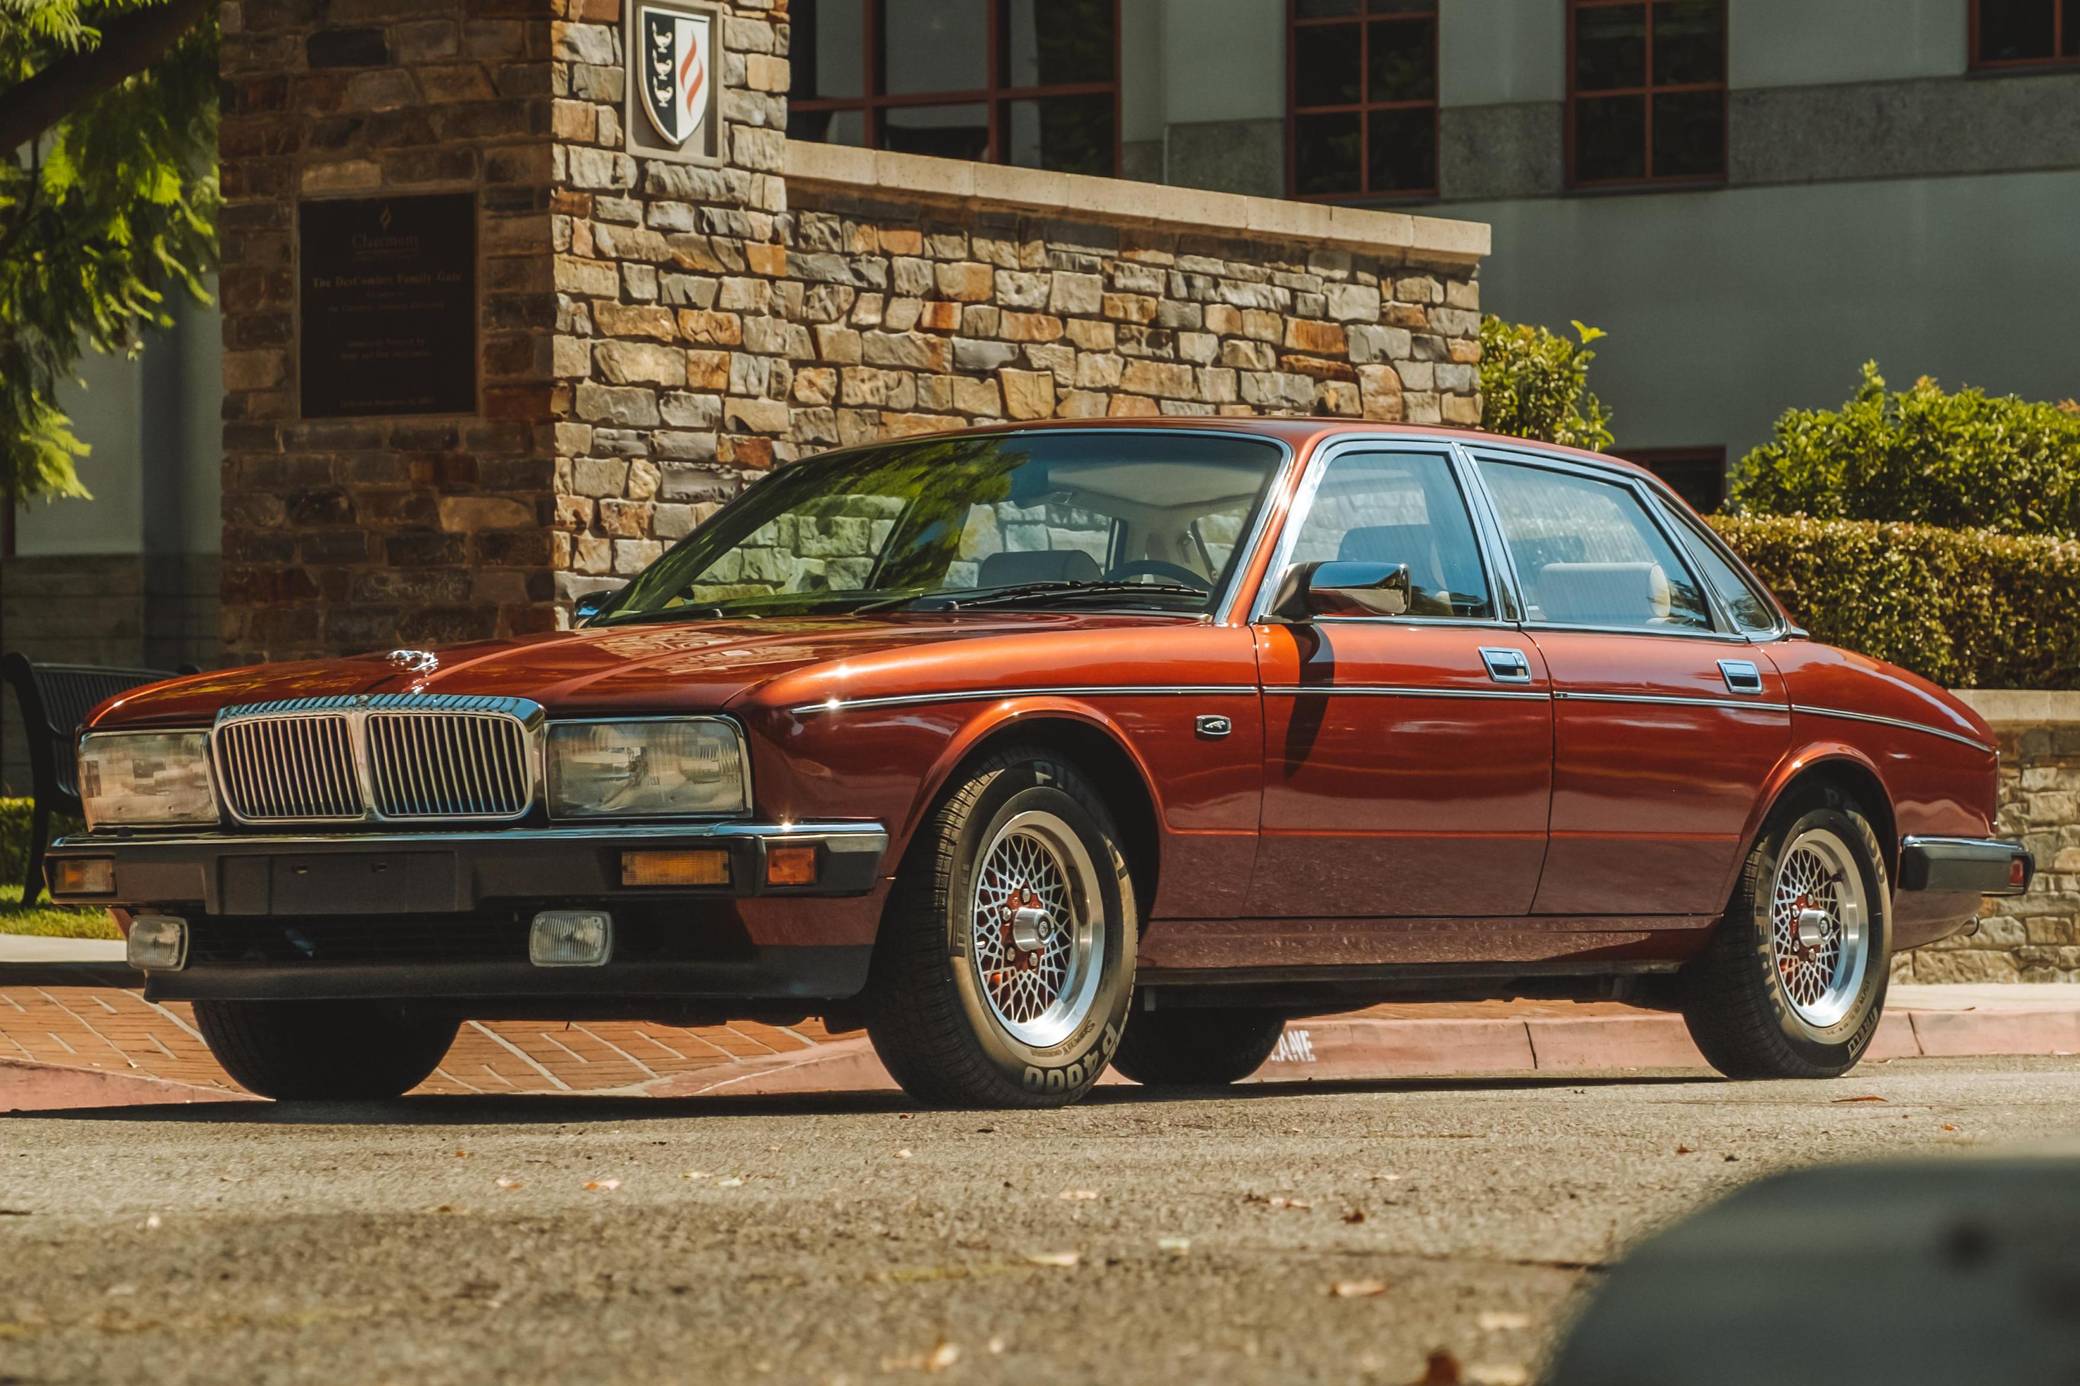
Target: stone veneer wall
x=2034 y=937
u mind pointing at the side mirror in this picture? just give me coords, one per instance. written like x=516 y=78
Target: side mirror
x=591 y=604
x=1339 y=588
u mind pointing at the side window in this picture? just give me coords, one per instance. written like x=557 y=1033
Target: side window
x=1588 y=554
x=1751 y=612
x=1399 y=507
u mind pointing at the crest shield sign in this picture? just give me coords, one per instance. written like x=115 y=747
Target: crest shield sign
x=671 y=70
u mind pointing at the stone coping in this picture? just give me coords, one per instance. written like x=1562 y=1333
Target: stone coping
x=1390 y=235
x=2024 y=707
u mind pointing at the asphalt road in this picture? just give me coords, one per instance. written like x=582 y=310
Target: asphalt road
x=854 y=1239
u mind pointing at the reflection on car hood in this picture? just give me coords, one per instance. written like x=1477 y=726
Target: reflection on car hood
x=631 y=668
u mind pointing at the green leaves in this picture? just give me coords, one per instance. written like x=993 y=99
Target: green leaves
x=1968 y=459
x=1967 y=608
x=1535 y=384
x=100 y=219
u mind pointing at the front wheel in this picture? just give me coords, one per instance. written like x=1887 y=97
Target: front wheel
x=313 y=1051
x=1006 y=960
x=1793 y=981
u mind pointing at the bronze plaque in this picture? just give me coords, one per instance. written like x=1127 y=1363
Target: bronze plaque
x=388 y=295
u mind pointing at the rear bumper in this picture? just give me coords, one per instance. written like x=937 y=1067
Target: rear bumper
x=1965 y=866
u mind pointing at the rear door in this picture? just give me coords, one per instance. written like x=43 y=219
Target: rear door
x=1407 y=759
x=1666 y=720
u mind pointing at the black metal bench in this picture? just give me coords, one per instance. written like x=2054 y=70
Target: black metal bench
x=55 y=699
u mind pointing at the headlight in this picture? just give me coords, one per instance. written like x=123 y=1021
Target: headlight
x=665 y=767
x=136 y=779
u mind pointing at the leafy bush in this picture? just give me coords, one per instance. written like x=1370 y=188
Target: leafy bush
x=1967 y=460
x=1967 y=608
x=1535 y=384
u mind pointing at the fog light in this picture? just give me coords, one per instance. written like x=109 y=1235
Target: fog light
x=84 y=876
x=791 y=866
x=570 y=938
x=158 y=943
x=706 y=867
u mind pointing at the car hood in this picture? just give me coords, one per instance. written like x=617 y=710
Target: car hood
x=693 y=665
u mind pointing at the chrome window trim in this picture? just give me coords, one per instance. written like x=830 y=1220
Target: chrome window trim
x=743 y=765
x=356 y=708
x=1700 y=532
x=842 y=704
x=1902 y=724
x=1446 y=449
x=1722 y=628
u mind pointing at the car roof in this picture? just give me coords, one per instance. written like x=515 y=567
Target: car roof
x=1304 y=430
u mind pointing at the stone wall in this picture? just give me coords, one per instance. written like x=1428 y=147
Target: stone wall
x=2034 y=937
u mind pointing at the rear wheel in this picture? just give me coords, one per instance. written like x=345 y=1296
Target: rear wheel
x=1792 y=984
x=310 y=1051
x=1197 y=1048
x=1006 y=961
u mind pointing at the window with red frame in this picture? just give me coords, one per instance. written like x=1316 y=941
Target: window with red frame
x=2025 y=33
x=1698 y=475
x=1646 y=91
x=1030 y=82
x=1361 y=90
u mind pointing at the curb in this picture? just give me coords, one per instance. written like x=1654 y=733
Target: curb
x=27 y=1086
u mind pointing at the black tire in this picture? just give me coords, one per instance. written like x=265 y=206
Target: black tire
x=316 y=1051
x=1197 y=1047
x=926 y=1010
x=1734 y=998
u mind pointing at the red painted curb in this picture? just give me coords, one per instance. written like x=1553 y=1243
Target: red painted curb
x=34 y=1087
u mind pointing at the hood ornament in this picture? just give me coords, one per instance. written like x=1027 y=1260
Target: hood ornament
x=415 y=661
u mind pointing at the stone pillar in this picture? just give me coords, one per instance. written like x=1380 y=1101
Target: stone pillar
x=364 y=532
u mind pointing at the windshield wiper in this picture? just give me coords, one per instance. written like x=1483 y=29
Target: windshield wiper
x=1063 y=587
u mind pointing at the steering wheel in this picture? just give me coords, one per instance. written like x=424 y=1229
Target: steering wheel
x=1156 y=567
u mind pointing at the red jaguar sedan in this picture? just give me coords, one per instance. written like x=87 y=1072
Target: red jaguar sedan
x=1038 y=749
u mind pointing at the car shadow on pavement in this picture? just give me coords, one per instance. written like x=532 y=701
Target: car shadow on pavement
x=545 y=1108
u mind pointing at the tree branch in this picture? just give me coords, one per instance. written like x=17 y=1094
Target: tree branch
x=128 y=45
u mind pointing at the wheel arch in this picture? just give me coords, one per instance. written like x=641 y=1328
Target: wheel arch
x=1085 y=736
x=1843 y=768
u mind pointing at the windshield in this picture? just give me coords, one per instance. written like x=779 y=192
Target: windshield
x=1084 y=520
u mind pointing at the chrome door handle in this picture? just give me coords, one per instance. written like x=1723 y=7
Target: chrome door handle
x=1506 y=666
x=1741 y=675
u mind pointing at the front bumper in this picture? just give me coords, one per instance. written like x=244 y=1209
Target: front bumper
x=1965 y=866
x=444 y=916
x=456 y=872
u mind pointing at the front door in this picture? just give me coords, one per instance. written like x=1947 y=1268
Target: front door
x=1407 y=759
x=1666 y=721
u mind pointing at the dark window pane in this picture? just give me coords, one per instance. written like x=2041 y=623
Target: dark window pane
x=1403 y=150
x=1323 y=9
x=827 y=127
x=1702 y=482
x=934 y=45
x=1689 y=134
x=826 y=46
x=1057 y=42
x=2011 y=29
x=951 y=132
x=1610 y=47
x=1069 y=134
x=1400 y=54
x=2069 y=33
x=1610 y=138
x=1401 y=6
x=1325 y=154
x=1689 y=42
x=1325 y=65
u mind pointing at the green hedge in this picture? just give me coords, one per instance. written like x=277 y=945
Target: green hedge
x=14 y=836
x=1967 y=608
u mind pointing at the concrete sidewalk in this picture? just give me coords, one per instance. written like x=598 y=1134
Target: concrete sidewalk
x=76 y=1032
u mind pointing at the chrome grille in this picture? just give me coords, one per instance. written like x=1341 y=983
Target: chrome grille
x=448 y=765
x=289 y=769
x=382 y=756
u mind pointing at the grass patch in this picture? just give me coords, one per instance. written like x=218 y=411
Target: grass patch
x=53 y=921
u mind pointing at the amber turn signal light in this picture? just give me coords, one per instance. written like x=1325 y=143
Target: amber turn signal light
x=703 y=867
x=83 y=876
x=790 y=866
